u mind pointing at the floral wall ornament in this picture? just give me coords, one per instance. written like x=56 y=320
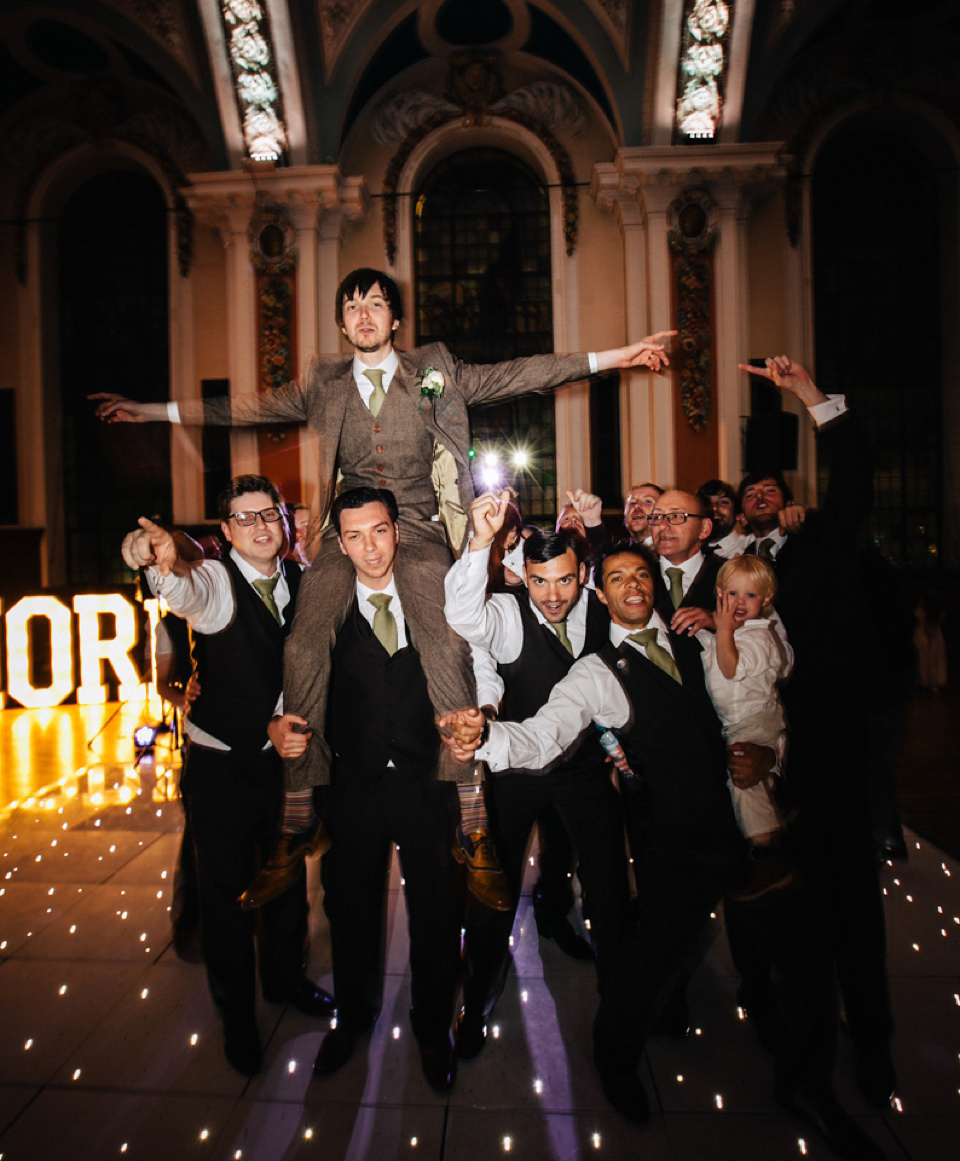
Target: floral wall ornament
x=692 y=237
x=273 y=255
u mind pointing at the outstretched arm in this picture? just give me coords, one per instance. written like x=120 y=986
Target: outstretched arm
x=118 y=409
x=649 y=352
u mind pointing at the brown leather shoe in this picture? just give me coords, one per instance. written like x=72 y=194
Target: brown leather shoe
x=282 y=868
x=486 y=881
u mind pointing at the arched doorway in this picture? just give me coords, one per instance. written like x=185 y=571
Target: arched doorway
x=114 y=336
x=482 y=285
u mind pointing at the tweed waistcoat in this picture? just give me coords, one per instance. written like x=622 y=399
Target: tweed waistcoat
x=393 y=450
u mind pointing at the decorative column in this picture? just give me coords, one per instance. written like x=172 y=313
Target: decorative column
x=680 y=216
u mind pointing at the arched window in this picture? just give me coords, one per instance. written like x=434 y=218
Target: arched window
x=114 y=336
x=482 y=285
x=878 y=308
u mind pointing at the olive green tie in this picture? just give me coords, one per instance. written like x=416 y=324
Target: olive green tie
x=379 y=394
x=265 y=586
x=560 y=628
x=647 y=640
x=765 y=549
x=676 y=586
x=384 y=622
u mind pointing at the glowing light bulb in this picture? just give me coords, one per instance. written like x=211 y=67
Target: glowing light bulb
x=291 y=1066
x=718 y=1101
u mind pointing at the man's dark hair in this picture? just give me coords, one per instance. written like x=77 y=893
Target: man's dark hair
x=360 y=281
x=706 y=492
x=359 y=498
x=625 y=548
x=241 y=486
x=539 y=546
x=756 y=477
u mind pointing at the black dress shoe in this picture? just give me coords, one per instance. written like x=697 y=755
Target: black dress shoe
x=306 y=997
x=470 y=1032
x=337 y=1048
x=821 y=1110
x=876 y=1077
x=625 y=1092
x=560 y=930
x=439 y=1062
x=241 y=1045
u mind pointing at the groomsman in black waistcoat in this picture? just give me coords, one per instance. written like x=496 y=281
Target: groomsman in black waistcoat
x=535 y=637
x=239 y=609
x=382 y=733
x=646 y=684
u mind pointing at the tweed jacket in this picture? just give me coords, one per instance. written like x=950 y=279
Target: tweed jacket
x=319 y=398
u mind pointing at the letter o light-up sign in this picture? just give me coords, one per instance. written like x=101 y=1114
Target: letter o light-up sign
x=93 y=649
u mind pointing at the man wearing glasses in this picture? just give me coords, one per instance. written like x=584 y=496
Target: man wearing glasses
x=686 y=586
x=239 y=609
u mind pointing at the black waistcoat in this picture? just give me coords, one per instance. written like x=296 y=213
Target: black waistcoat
x=380 y=710
x=240 y=669
x=543 y=662
x=674 y=744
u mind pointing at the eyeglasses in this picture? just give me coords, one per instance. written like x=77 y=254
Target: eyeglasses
x=673 y=517
x=267 y=515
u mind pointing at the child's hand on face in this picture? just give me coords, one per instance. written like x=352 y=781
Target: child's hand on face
x=724 y=616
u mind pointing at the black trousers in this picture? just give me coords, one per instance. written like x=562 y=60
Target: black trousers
x=233 y=806
x=677 y=888
x=366 y=816
x=589 y=809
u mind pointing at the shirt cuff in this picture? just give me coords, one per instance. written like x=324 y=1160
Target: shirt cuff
x=592 y=360
x=822 y=413
x=173 y=412
x=496 y=749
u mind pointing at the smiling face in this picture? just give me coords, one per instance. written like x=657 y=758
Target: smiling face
x=260 y=544
x=678 y=542
x=369 y=324
x=724 y=513
x=369 y=538
x=554 y=585
x=627 y=589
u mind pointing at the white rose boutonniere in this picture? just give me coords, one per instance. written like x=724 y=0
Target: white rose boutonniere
x=432 y=384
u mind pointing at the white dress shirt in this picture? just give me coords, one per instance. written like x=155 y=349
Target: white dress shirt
x=495 y=622
x=688 y=570
x=389 y=367
x=590 y=693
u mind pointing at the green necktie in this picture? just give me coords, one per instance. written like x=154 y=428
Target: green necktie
x=384 y=622
x=676 y=586
x=765 y=549
x=265 y=586
x=647 y=640
x=560 y=628
x=379 y=394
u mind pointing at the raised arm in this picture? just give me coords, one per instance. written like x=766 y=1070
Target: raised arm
x=118 y=409
x=788 y=375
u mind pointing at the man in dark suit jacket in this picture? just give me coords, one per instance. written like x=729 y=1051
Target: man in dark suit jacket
x=829 y=700
x=418 y=445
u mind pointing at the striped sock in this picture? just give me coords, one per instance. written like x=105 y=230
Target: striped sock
x=298 y=811
x=473 y=808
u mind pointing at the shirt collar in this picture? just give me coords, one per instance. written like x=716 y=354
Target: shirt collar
x=618 y=634
x=688 y=567
x=389 y=367
x=363 y=593
x=247 y=571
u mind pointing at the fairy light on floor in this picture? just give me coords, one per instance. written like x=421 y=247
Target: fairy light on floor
x=718 y=1101
x=396 y=1031
x=204 y=1133
x=308 y=1134
x=538 y=1086
x=507 y=1144
x=803 y=1145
